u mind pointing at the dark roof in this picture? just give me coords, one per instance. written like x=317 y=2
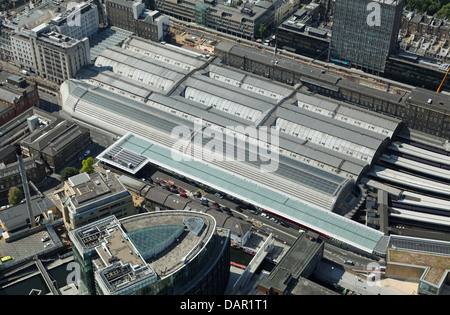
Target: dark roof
x=16 y=215
x=430 y=99
x=292 y=264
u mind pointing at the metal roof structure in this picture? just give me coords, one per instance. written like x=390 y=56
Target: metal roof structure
x=312 y=176
x=245 y=187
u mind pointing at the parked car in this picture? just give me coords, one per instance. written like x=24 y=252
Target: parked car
x=183 y=195
x=219 y=195
x=47 y=245
x=349 y=262
x=215 y=204
x=87 y=152
x=7 y=258
x=45 y=238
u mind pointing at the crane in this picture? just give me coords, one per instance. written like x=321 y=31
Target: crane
x=439 y=88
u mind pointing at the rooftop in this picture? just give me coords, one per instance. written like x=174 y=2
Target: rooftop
x=256 y=193
x=51 y=138
x=87 y=190
x=118 y=263
x=146 y=247
x=438 y=265
x=316 y=165
x=293 y=263
x=169 y=239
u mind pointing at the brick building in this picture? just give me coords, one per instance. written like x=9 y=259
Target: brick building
x=16 y=95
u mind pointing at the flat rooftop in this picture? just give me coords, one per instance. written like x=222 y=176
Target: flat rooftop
x=154 y=228
x=90 y=188
x=144 y=247
x=438 y=265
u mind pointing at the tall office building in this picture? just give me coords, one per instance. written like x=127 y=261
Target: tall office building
x=365 y=32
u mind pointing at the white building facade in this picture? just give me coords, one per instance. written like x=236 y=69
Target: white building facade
x=79 y=22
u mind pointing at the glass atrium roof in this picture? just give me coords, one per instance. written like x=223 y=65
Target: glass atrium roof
x=151 y=240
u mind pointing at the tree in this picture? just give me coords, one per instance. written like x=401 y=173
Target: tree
x=422 y=6
x=88 y=165
x=68 y=172
x=15 y=196
x=444 y=11
x=262 y=30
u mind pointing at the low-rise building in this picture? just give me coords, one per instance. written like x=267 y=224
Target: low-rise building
x=89 y=197
x=57 y=143
x=15 y=220
x=300 y=261
x=10 y=175
x=16 y=96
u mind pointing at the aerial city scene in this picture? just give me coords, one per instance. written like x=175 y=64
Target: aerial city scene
x=229 y=148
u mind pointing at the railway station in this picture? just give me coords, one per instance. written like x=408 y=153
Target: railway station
x=324 y=148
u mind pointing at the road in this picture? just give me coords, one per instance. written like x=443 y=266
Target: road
x=287 y=234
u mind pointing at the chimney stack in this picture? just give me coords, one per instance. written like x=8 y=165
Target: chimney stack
x=26 y=189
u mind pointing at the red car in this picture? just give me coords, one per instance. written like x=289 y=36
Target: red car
x=183 y=195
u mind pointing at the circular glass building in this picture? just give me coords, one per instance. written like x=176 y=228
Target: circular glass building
x=166 y=252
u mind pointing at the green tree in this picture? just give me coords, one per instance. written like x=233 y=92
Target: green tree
x=428 y=6
x=68 y=172
x=262 y=30
x=88 y=165
x=15 y=196
x=444 y=12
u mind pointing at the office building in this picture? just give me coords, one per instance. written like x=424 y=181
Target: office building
x=243 y=21
x=23 y=51
x=159 y=253
x=80 y=21
x=132 y=16
x=86 y=198
x=297 y=34
x=58 y=57
x=365 y=32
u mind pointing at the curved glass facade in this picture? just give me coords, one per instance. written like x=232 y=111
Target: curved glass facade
x=153 y=253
